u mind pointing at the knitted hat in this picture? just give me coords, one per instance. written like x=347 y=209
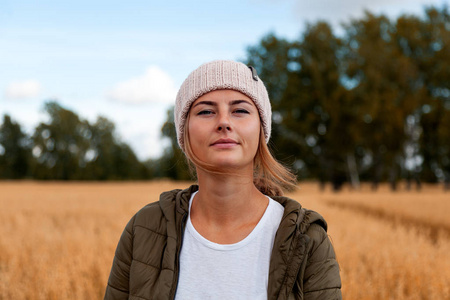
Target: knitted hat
x=222 y=75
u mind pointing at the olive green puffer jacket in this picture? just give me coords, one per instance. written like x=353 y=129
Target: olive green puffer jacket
x=146 y=262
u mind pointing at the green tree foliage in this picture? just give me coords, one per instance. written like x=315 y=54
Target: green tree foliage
x=373 y=103
x=14 y=150
x=68 y=148
x=443 y=153
x=107 y=158
x=387 y=90
x=60 y=145
x=427 y=43
x=316 y=108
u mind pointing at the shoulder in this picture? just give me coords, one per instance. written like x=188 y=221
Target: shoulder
x=164 y=210
x=151 y=216
x=302 y=217
x=320 y=279
x=312 y=221
x=307 y=222
x=148 y=215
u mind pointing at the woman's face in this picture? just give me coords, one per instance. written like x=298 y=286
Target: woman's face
x=224 y=129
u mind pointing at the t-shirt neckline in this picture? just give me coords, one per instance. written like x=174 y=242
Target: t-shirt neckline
x=229 y=247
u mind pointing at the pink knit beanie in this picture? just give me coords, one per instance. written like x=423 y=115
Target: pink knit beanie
x=222 y=75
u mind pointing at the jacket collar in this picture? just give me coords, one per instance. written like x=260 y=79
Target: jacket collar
x=290 y=244
x=294 y=214
x=183 y=197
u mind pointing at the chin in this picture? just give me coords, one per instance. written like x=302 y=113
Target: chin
x=229 y=163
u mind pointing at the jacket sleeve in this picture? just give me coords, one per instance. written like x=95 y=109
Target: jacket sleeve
x=118 y=282
x=321 y=278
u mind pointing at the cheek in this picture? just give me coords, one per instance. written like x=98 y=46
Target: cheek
x=252 y=132
x=196 y=134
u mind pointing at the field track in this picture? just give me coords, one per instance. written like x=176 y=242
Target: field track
x=57 y=240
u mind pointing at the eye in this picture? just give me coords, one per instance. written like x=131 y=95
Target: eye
x=241 y=111
x=204 y=112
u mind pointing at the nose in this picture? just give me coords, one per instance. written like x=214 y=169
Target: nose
x=224 y=124
x=223 y=127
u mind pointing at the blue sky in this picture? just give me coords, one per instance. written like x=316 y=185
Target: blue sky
x=126 y=59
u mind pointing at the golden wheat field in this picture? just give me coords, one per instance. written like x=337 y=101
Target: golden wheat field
x=57 y=240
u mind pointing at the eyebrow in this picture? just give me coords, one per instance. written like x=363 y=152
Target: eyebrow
x=212 y=103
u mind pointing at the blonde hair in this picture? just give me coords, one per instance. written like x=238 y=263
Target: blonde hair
x=269 y=176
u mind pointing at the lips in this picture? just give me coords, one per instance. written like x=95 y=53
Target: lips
x=224 y=142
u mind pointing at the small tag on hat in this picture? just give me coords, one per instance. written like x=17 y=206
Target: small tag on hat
x=254 y=73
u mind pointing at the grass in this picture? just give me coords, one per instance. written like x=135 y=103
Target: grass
x=58 y=239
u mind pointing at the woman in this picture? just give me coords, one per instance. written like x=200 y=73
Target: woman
x=232 y=236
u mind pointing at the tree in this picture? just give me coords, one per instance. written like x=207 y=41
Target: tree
x=374 y=103
x=60 y=145
x=427 y=43
x=315 y=107
x=14 y=150
x=108 y=157
x=386 y=88
x=68 y=148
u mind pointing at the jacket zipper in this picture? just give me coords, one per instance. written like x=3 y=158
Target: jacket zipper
x=177 y=259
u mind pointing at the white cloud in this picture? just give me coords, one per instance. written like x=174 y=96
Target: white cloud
x=141 y=128
x=23 y=89
x=153 y=86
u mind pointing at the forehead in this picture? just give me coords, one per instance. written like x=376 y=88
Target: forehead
x=223 y=95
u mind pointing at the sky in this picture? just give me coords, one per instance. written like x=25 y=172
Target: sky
x=125 y=60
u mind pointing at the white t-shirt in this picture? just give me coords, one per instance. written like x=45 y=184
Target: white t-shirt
x=233 y=271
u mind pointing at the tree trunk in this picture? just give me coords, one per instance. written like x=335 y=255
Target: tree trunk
x=353 y=171
x=378 y=173
x=393 y=178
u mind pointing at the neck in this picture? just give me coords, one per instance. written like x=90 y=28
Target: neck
x=226 y=203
